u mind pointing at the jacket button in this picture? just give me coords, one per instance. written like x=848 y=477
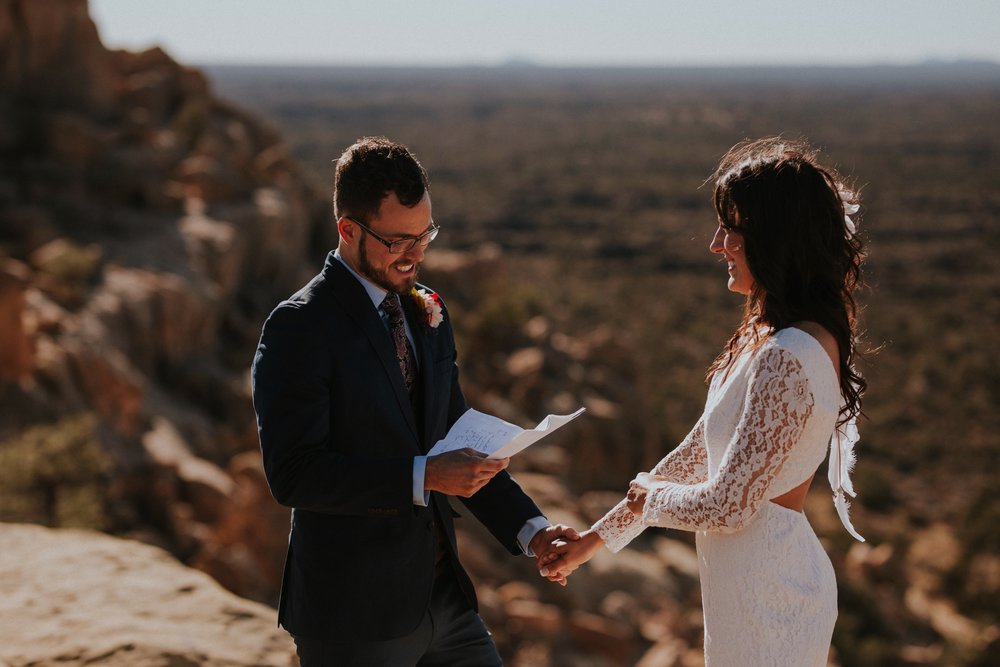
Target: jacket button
x=430 y=526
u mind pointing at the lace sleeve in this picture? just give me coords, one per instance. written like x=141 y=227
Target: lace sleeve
x=778 y=405
x=686 y=464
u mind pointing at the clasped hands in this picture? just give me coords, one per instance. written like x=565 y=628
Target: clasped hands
x=560 y=550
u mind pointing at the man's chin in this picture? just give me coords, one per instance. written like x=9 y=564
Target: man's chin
x=397 y=283
x=406 y=285
x=403 y=284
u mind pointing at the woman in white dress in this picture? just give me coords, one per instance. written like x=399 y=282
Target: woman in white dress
x=782 y=394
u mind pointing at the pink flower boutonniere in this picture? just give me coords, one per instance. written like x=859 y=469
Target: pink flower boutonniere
x=430 y=304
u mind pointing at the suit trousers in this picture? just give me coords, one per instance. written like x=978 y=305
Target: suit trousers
x=451 y=634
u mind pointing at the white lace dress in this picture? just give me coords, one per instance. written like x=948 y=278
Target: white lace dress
x=768 y=588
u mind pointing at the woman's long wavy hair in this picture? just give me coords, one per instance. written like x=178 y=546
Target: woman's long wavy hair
x=805 y=262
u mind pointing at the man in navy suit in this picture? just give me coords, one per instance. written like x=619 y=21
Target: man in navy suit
x=354 y=379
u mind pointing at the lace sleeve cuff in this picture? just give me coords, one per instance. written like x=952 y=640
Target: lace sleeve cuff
x=618 y=527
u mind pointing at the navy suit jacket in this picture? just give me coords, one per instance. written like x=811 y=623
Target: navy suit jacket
x=338 y=435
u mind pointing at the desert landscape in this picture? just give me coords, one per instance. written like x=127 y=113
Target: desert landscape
x=152 y=213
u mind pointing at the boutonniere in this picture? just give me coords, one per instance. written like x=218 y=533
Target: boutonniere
x=430 y=304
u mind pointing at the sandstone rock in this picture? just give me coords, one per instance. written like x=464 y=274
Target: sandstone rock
x=531 y=619
x=537 y=328
x=601 y=408
x=16 y=351
x=678 y=556
x=957 y=629
x=463 y=277
x=635 y=572
x=526 y=361
x=74 y=139
x=201 y=484
x=665 y=653
x=595 y=504
x=865 y=561
x=984 y=576
x=547 y=491
x=51 y=51
x=516 y=590
x=215 y=251
x=110 y=384
x=932 y=554
x=602 y=635
x=158 y=318
x=245 y=550
x=73 y=597
x=664 y=622
x=547 y=458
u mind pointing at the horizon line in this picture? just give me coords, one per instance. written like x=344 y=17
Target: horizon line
x=528 y=64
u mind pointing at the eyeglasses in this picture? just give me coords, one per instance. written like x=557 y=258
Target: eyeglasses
x=405 y=244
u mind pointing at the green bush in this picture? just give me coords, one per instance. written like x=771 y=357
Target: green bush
x=54 y=475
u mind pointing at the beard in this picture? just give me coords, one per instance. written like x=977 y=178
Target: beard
x=381 y=276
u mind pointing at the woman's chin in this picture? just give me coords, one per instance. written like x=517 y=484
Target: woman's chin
x=737 y=288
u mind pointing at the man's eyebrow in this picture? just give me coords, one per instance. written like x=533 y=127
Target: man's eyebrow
x=407 y=236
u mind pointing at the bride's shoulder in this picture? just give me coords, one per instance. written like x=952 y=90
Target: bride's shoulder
x=803 y=337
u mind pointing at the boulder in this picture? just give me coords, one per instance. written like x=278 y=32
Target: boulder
x=73 y=597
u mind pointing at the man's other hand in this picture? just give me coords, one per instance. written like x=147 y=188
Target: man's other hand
x=461 y=472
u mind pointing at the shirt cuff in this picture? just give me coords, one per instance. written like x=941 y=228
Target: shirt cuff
x=531 y=527
x=420 y=497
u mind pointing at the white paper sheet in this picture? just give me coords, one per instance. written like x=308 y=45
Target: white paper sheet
x=495 y=437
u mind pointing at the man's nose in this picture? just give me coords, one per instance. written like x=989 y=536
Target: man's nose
x=416 y=253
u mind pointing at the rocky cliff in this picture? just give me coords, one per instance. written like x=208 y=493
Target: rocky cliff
x=146 y=228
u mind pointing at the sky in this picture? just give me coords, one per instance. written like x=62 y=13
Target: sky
x=556 y=32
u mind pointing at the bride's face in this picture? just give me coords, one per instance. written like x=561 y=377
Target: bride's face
x=728 y=242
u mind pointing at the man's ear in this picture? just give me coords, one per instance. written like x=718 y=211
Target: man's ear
x=348 y=231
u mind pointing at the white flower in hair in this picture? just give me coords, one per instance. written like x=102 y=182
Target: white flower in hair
x=849 y=210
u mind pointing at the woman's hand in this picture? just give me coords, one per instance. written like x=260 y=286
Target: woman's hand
x=636 y=497
x=565 y=556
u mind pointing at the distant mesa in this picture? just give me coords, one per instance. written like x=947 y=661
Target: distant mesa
x=519 y=62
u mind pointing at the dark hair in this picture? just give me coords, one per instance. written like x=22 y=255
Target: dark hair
x=805 y=261
x=369 y=170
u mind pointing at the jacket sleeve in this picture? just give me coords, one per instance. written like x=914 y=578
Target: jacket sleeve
x=292 y=380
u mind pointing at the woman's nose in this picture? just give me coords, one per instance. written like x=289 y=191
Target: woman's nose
x=717 y=240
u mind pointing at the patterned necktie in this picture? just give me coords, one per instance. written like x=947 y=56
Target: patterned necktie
x=404 y=353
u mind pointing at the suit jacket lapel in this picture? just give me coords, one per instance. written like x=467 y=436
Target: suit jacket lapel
x=422 y=340
x=356 y=303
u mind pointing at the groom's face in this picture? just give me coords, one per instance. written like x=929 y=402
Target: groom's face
x=396 y=273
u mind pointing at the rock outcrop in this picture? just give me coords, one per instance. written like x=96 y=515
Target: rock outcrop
x=72 y=597
x=146 y=228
